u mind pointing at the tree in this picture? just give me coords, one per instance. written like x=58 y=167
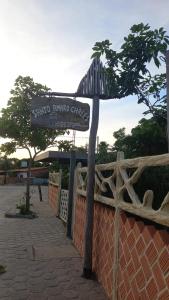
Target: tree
x=16 y=126
x=7 y=163
x=83 y=149
x=104 y=154
x=147 y=138
x=65 y=145
x=129 y=70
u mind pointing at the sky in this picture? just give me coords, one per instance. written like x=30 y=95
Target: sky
x=52 y=40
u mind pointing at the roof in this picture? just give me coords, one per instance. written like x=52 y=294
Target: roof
x=24 y=169
x=61 y=157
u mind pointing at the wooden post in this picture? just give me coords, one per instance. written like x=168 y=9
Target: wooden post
x=40 y=192
x=167 y=75
x=28 y=186
x=71 y=185
x=87 y=267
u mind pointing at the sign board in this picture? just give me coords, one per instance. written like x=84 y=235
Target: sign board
x=59 y=113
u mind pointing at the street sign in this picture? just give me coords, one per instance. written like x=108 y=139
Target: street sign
x=59 y=113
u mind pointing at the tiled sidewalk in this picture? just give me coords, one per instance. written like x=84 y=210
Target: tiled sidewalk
x=41 y=262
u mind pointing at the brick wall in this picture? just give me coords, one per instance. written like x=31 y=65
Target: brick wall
x=53 y=194
x=143 y=253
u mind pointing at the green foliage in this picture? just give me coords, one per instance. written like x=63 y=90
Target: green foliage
x=15 y=124
x=104 y=155
x=15 y=120
x=21 y=205
x=65 y=146
x=155 y=179
x=80 y=148
x=129 y=70
x=147 y=138
x=9 y=163
x=22 y=209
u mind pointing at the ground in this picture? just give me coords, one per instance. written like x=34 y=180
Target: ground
x=41 y=262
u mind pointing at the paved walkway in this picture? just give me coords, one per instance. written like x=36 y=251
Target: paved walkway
x=41 y=262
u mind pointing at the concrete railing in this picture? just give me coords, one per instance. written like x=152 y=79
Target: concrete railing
x=123 y=175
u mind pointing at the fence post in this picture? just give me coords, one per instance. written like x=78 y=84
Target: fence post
x=40 y=192
x=79 y=165
x=70 y=199
x=59 y=190
x=119 y=183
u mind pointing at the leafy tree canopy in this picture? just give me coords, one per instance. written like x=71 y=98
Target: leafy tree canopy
x=15 y=120
x=147 y=138
x=9 y=163
x=104 y=154
x=65 y=145
x=129 y=70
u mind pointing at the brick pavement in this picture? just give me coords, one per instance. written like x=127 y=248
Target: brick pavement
x=41 y=262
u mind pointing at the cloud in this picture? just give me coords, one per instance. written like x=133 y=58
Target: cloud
x=52 y=42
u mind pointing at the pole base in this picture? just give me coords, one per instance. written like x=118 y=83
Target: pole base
x=88 y=274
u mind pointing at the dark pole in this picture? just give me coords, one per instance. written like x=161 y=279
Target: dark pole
x=40 y=192
x=71 y=185
x=167 y=75
x=87 y=267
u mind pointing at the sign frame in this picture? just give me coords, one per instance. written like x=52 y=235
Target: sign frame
x=59 y=113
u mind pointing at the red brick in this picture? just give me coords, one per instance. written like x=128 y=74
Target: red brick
x=152 y=289
x=136 y=230
x=123 y=262
x=135 y=258
x=164 y=261
x=140 y=279
x=164 y=295
x=158 y=276
x=130 y=269
x=140 y=246
x=146 y=267
x=151 y=253
x=129 y=224
x=148 y=233
x=143 y=295
x=109 y=286
x=123 y=217
x=126 y=252
x=122 y=291
x=130 y=296
x=126 y=280
x=132 y=222
x=123 y=235
x=140 y=226
x=158 y=239
x=165 y=237
x=167 y=280
x=131 y=240
x=134 y=288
